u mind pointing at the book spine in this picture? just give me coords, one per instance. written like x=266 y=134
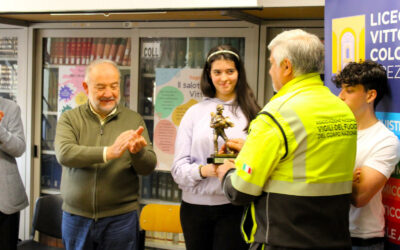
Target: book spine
x=56 y=173
x=52 y=50
x=146 y=187
x=126 y=61
x=61 y=58
x=126 y=90
x=107 y=48
x=154 y=187
x=181 y=53
x=192 y=52
x=88 y=50
x=169 y=187
x=94 y=49
x=162 y=186
x=78 y=53
x=114 y=48
x=100 y=48
x=8 y=47
x=45 y=169
x=68 y=50
x=84 y=51
x=73 y=51
x=121 y=51
x=176 y=192
x=57 y=50
x=199 y=54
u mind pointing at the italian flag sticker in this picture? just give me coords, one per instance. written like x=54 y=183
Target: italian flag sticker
x=246 y=168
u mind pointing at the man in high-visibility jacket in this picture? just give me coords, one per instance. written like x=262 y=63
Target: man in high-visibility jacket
x=295 y=168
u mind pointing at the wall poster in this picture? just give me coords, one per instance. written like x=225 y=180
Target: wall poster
x=176 y=91
x=70 y=90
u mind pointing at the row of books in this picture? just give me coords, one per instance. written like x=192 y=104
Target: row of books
x=81 y=51
x=8 y=46
x=8 y=68
x=10 y=96
x=50 y=172
x=8 y=76
x=174 y=53
x=50 y=92
x=184 y=52
x=164 y=238
x=160 y=185
x=126 y=88
x=8 y=85
x=149 y=126
x=145 y=100
x=49 y=124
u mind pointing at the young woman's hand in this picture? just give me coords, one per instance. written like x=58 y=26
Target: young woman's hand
x=209 y=170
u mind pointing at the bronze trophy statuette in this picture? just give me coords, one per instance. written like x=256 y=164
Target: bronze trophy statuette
x=219 y=123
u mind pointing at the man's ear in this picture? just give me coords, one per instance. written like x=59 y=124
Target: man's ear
x=371 y=95
x=287 y=67
x=86 y=88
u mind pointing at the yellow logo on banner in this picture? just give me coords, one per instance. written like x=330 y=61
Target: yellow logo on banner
x=348 y=41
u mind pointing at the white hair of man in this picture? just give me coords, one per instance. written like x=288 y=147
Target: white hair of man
x=305 y=51
x=92 y=64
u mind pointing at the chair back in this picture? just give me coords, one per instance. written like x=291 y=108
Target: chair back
x=161 y=218
x=47 y=216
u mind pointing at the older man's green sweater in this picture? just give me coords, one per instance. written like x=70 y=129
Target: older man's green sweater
x=90 y=187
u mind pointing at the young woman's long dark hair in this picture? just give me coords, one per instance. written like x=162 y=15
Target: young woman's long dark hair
x=245 y=98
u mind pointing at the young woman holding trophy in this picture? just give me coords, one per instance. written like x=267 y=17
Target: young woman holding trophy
x=208 y=219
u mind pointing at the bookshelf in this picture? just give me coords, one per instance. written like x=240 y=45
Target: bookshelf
x=8 y=58
x=8 y=67
x=82 y=50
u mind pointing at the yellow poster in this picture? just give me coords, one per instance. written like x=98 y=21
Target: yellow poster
x=348 y=41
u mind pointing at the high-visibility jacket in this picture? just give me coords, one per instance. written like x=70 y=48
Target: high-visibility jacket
x=296 y=167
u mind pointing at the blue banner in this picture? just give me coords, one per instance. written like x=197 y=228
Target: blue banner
x=368 y=29
x=365 y=29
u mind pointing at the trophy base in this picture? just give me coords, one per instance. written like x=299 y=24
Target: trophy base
x=219 y=158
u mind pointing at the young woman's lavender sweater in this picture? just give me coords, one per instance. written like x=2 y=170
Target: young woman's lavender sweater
x=194 y=143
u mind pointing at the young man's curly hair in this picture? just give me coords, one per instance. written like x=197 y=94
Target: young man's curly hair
x=370 y=74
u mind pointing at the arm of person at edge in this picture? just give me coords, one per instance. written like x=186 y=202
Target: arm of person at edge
x=185 y=172
x=12 y=134
x=367 y=180
x=253 y=155
x=366 y=183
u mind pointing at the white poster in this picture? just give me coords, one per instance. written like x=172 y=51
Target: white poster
x=176 y=91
